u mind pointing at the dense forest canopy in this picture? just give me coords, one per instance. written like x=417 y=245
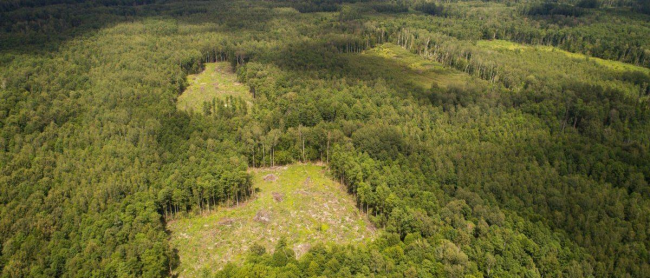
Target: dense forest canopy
x=483 y=138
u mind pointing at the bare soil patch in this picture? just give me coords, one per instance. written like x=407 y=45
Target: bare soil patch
x=226 y=222
x=262 y=216
x=270 y=177
x=301 y=249
x=278 y=197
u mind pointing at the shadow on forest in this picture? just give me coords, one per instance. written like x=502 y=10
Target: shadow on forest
x=323 y=60
x=44 y=29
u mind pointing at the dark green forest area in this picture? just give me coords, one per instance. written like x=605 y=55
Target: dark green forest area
x=537 y=164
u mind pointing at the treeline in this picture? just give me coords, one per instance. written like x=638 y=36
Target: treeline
x=11 y=5
x=625 y=92
x=554 y=9
x=595 y=33
x=385 y=6
x=313 y=6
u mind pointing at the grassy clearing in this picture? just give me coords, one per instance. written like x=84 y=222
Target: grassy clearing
x=313 y=209
x=216 y=81
x=609 y=64
x=395 y=63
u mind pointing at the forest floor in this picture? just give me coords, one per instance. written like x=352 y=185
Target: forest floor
x=298 y=202
x=217 y=80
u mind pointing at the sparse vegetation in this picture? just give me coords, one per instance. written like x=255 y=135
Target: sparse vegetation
x=396 y=64
x=314 y=210
x=216 y=82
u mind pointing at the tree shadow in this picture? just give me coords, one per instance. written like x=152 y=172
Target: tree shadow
x=44 y=29
x=325 y=60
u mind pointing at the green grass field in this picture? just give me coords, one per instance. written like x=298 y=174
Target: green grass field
x=216 y=81
x=511 y=46
x=313 y=209
x=393 y=62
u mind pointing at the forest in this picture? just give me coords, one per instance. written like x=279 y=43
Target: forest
x=494 y=138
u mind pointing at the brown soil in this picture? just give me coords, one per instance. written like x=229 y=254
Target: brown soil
x=301 y=249
x=262 y=216
x=226 y=222
x=278 y=197
x=270 y=177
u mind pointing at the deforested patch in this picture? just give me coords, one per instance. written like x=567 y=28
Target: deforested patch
x=297 y=202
